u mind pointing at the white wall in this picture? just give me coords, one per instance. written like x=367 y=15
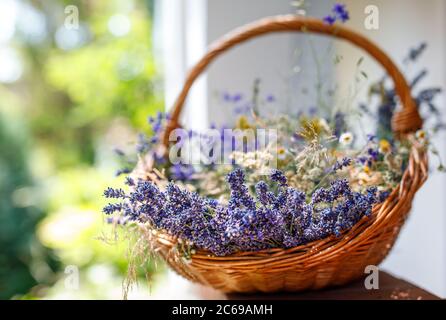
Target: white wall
x=272 y=58
x=180 y=33
x=267 y=58
x=420 y=253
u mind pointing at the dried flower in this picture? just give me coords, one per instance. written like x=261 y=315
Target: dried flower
x=384 y=146
x=339 y=13
x=339 y=165
x=329 y=19
x=114 y=193
x=279 y=177
x=281 y=153
x=246 y=223
x=421 y=136
x=346 y=139
x=182 y=172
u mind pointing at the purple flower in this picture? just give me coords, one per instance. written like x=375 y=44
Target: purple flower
x=279 y=177
x=114 y=193
x=414 y=53
x=143 y=145
x=339 y=165
x=247 y=223
x=263 y=194
x=117 y=220
x=270 y=98
x=339 y=124
x=341 y=12
x=123 y=171
x=339 y=188
x=236 y=178
x=373 y=153
x=243 y=109
x=112 y=208
x=182 y=172
x=129 y=181
x=321 y=195
x=237 y=97
x=382 y=196
x=226 y=97
x=329 y=19
x=240 y=196
x=362 y=160
x=312 y=111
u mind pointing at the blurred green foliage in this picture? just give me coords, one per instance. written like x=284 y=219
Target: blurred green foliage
x=23 y=261
x=75 y=103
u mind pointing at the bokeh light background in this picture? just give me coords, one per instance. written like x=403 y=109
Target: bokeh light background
x=68 y=96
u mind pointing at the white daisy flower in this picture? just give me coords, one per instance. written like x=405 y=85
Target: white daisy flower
x=281 y=153
x=421 y=136
x=346 y=139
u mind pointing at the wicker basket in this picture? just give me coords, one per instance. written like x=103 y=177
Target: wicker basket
x=328 y=262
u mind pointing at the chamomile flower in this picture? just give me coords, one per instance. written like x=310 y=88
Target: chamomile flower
x=281 y=153
x=346 y=139
x=421 y=136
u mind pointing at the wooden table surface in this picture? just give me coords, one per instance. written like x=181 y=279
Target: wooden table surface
x=390 y=288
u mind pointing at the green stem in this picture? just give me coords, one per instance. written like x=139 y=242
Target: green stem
x=322 y=180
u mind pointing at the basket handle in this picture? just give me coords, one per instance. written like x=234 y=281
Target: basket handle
x=405 y=121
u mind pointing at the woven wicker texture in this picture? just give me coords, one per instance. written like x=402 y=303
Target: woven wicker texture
x=327 y=262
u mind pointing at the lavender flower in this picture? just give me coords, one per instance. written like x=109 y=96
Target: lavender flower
x=182 y=172
x=339 y=188
x=321 y=196
x=414 y=53
x=237 y=97
x=246 y=223
x=123 y=171
x=129 y=181
x=239 y=192
x=143 y=144
x=264 y=196
x=330 y=19
x=340 y=12
x=114 y=193
x=339 y=124
x=373 y=154
x=371 y=137
x=270 y=98
x=339 y=165
x=279 y=177
x=117 y=220
x=112 y=208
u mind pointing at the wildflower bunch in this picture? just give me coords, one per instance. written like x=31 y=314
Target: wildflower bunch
x=315 y=181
